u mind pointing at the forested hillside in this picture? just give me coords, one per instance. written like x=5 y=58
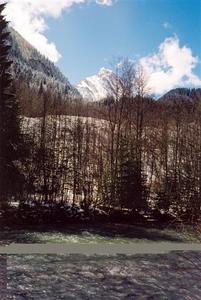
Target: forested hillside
x=138 y=155
x=30 y=69
x=128 y=153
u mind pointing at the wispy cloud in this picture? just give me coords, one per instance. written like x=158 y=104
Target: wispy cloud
x=28 y=18
x=167 y=25
x=171 y=67
x=104 y=2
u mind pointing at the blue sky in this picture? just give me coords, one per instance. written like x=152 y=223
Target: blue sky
x=90 y=35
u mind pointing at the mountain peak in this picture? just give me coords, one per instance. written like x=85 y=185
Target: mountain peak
x=104 y=72
x=97 y=87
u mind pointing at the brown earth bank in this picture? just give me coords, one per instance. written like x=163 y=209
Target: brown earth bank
x=65 y=213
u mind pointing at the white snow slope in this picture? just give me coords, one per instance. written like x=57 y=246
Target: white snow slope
x=97 y=87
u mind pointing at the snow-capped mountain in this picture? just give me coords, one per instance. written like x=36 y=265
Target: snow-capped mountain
x=32 y=67
x=98 y=87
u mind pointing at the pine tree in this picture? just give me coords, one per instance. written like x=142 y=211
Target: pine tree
x=131 y=186
x=9 y=121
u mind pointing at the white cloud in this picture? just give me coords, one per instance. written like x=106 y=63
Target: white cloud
x=104 y=2
x=171 y=67
x=28 y=18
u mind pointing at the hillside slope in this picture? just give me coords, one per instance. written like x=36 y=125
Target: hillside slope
x=182 y=94
x=30 y=66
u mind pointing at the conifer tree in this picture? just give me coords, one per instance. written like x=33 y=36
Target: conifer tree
x=131 y=183
x=9 y=121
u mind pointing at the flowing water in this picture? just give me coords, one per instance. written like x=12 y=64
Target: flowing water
x=172 y=276
x=99 y=234
x=176 y=276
